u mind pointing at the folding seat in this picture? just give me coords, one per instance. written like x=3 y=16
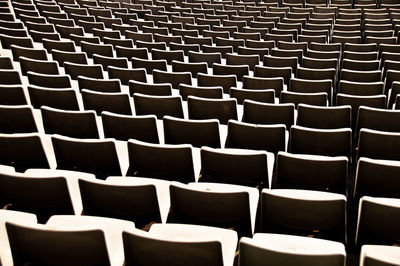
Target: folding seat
x=271 y=138
x=107 y=61
x=292 y=46
x=12 y=95
x=236 y=166
x=228 y=42
x=378 y=255
x=197 y=133
x=38 y=36
x=156 y=89
x=282 y=211
x=334 y=117
x=303 y=250
x=377 y=119
x=191 y=242
x=100 y=85
x=125 y=127
x=158 y=105
x=238 y=70
x=174 y=79
x=312 y=86
x=32 y=194
x=99 y=49
x=23 y=151
x=75 y=124
x=65 y=99
x=7 y=41
x=360 y=88
x=328 y=142
x=377 y=221
x=149 y=65
x=136 y=202
x=169 y=56
x=100 y=101
x=75 y=70
x=206 y=108
x=87 y=237
x=166 y=162
x=98 y=157
x=255 y=33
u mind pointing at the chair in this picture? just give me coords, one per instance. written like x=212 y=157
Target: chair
x=378 y=144
x=324 y=117
x=149 y=65
x=158 y=89
x=67 y=56
x=107 y=61
x=169 y=56
x=376 y=221
x=221 y=109
x=193 y=68
x=328 y=142
x=38 y=66
x=7 y=41
x=369 y=180
x=361 y=76
x=274 y=72
x=6 y=63
x=271 y=138
x=360 y=88
x=158 y=105
x=132 y=202
x=238 y=70
x=17 y=119
x=378 y=255
x=126 y=75
x=198 y=133
x=91 y=71
x=98 y=157
x=12 y=95
x=215 y=92
x=225 y=81
x=174 y=79
x=236 y=166
x=250 y=60
x=65 y=99
x=360 y=65
x=131 y=52
x=166 y=162
x=99 y=49
x=279 y=61
x=282 y=211
x=125 y=127
x=75 y=124
x=280 y=249
x=32 y=53
x=49 y=81
x=23 y=151
x=99 y=85
x=311 y=172
x=10 y=77
x=318 y=99
x=100 y=101
x=312 y=86
x=43 y=196
x=179 y=244
x=118 y=42
x=232 y=206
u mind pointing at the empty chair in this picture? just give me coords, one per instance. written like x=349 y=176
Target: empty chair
x=318 y=99
x=221 y=205
x=274 y=72
x=75 y=124
x=179 y=244
x=107 y=61
x=361 y=76
x=266 y=96
x=131 y=52
x=43 y=196
x=311 y=172
x=173 y=78
x=198 y=133
x=49 y=81
x=282 y=211
x=7 y=41
x=328 y=142
x=99 y=49
x=169 y=56
x=75 y=70
x=38 y=54
x=149 y=65
x=250 y=60
x=193 y=68
x=324 y=117
x=271 y=138
x=378 y=255
x=67 y=56
x=100 y=85
x=166 y=162
x=221 y=109
x=65 y=99
x=360 y=65
x=238 y=70
x=38 y=66
x=312 y=86
x=100 y=101
x=158 y=105
x=360 y=88
x=23 y=151
x=236 y=166
x=225 y=81
x=98 y=157
x=214 y=92
x=378 y=144
x=158 y=89
x=12 y=95
x=376 y=221
x=132 y=202
x=17 y=119
x=280 y=249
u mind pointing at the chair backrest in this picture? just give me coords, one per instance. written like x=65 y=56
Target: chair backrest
x=65 y=99
x=49 y=81
x=234 y=166
x=13 y=95
x=156 y=89
x=43 y=196
x=378 y=144
x=324 y=117
x=282 y=211
x=378 y=255
x=158 y=105
x=317 y=98
x=198 y=133
x=100 y=85
x=17 y=119
x=98 y=157
x=101 y=101
x=167 y=162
